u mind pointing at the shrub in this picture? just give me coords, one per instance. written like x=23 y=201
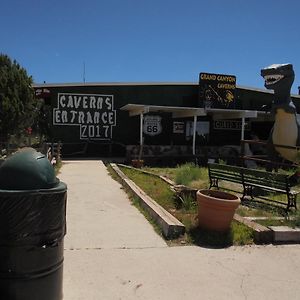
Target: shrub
x=188 y=173
x=188 y=202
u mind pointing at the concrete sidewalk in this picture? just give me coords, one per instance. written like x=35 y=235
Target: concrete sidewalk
x=112 y=252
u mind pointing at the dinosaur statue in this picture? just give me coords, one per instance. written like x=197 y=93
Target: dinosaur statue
x=286 y=129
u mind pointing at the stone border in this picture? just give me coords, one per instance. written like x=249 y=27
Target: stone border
x=170 y=226
x=262 y=234
x=167 y=180
x=285 y=234
x=271 y=234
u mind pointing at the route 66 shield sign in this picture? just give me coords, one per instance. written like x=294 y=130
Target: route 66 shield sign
x=152 y=125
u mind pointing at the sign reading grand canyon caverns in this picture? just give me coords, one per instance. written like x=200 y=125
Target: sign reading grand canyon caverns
x=216 y=90
x=94 y=114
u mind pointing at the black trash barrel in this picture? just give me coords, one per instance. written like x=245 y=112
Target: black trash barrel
x=32 y=228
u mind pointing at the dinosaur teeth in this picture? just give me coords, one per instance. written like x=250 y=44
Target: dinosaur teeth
x=271 y=79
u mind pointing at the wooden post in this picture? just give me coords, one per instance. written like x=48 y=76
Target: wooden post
x=141 y=136
x=243 y=128
x=194 y=135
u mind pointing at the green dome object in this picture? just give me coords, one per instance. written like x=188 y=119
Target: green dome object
x=27 y=169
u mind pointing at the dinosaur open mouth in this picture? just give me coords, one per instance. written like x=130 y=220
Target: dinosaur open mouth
x=272 y=79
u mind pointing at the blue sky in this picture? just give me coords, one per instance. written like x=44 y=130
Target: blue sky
x=150 y=41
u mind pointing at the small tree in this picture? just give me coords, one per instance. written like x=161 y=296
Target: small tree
x=17 y=101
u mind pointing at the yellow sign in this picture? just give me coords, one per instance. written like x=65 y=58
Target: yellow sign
x=217 y=90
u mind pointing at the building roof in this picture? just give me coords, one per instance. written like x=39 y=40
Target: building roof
x=182 y=112
x=83 y=84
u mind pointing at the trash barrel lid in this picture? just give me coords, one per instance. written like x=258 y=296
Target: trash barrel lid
x=27 y=169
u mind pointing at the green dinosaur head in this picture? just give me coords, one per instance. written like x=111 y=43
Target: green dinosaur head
x=279 y=77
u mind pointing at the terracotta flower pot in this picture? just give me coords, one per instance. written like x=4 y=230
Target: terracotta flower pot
x=216 y=209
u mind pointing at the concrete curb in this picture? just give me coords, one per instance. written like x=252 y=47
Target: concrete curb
x=271 y=234
x=171 y=227
x=262 y=234
x=285 y=234
x=167 y=180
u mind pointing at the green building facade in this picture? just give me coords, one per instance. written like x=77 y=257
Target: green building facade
x=90 y=119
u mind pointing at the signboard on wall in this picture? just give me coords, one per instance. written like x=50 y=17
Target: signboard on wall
x=230 y=125
x=202 y=128
x=216 y=90
x=152 y=125
x=93 y=114
x=178 y=127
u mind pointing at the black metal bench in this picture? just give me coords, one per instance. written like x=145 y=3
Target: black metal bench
x=270 y=182
x=253 y=181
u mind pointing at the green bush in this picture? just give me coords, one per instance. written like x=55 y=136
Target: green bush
x=189 y=172
x=188 y=203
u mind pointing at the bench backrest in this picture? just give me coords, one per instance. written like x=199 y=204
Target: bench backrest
x=249 y=176
x=263 y=178
x=225 y=172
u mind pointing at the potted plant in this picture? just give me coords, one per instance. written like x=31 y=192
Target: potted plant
x=139 y=162
x=216 y=209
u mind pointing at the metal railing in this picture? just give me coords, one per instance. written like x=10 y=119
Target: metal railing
x=264 y=159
